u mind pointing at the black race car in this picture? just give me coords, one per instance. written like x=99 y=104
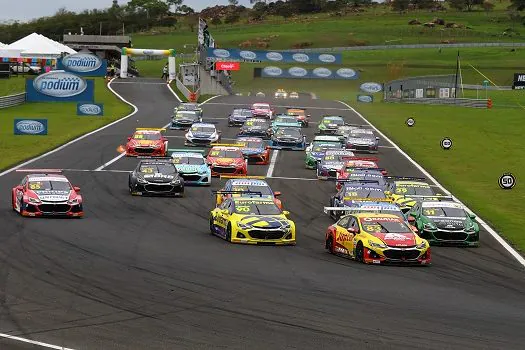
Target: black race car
x=190 y=106
x=256 y=127
x=185 y=119
x=239 y=116
x=156 y=177
x=288 y=138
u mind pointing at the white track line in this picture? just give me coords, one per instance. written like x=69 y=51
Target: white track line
x=98 y=171
x=59 y=148
x=211 y=98
x=489 y=229
x=134 y=82
x=273 y=160
x=173 y=92
x=291 y=178
x=45 y=345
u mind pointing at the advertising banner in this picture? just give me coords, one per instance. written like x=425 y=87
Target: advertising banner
x=227 y=65
x=86 y=108
x=274 y=56
x=60 y=86
x=302 y=73
x=83 y=64
x=371 y=87
x=365 y=98
x=519 y=81
x=30 y=127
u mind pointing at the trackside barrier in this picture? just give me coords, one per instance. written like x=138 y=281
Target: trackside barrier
x=489 y=103
x=464 y=102
x=12 y=100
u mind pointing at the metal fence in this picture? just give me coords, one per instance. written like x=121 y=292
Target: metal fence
x=12 y=100
x=464 y=102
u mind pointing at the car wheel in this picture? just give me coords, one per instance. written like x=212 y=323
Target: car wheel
x=212 y=226
x=229 y=233
x=330 y=245
x=360 y=253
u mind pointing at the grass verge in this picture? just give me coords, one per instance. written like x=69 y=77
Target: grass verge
x=13 y=85
x=63 y=123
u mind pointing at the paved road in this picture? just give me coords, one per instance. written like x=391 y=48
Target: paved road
x=144 y=273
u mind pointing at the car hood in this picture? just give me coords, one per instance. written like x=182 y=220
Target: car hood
x=184 y=120
x=202 y=135
x=332 y=165
x=226 y=161
x=252 y=150
x=396 y=239
x=143 y=142
x=190 y=168
x=254 y=127
x=449 y=223
x=264 y=221
x=52 y=195
x=360 y=141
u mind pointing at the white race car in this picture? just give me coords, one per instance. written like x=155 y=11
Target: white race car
x=293 y=94
x=202 y=134
x=280 y=93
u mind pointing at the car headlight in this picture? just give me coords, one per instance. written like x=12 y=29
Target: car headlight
x=141 y=180
x=421 y=245
x=155 y=146
x=175 y=181
x=189 y=135
x=72 y=201
x=33 y=200
x=243 y=226
x=377 y=245
x=430 y=227
x=470 y=229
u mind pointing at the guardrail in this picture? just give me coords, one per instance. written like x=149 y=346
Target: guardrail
x=406 y=46
x=464 y=102
x=12 y=100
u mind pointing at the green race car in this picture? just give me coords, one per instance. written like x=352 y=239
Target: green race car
x=330 y=124
x=189 y=106
x=315 y=151
x=445 y=223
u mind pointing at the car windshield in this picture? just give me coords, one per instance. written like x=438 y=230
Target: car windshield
x=242 y=113
x=295 y=113
x=444 y=212
x=285 y=119
x=359 y=176
x=257 y=106
x=360 y=135
x=188 y=107
x=219 y=153
x=49 y=185
x=203 y=129
x=143 y=136
x=352 y=193
x=188 y=160
x=413 y=189
x=250 y=144
x=264 y=190
x=260 y=123
x=334 y=157
x=157 y=168
x=292 y=132
x=256 y=208
x=384 y=226
x=323 y=146
x=186 y=114
x=336 y=121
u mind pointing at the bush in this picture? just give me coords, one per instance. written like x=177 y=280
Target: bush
x=232 y=18
x=216 y=21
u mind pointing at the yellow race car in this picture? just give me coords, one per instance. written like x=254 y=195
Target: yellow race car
x=377 y=239
x=406 y=191
x=252 y=221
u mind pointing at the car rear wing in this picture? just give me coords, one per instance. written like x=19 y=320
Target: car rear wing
x=405 y=178
x=155 y=158
x=423 y=197
x=239 y=145
x=242 y=177
x=238 y=192
x=358 y=181
x=40 y=171
x=369 y=159
x=328 y=209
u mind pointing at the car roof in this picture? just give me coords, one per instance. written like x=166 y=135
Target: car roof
x=437 y=204
x=225 y=148
x=46 y=177
x=377 y=216
x=415 y=183
x=248 y=182
x=186 y=154
x=250 y=139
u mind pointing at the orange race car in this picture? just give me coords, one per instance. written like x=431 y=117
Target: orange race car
x=225 y=159
x=300 y=115
x=147 y=142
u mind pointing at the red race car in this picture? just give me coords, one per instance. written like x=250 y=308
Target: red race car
x=254 y=149
x=45 y=192
x=262 y=110
x=147 y=142
x=227 y=159
x=358 y=163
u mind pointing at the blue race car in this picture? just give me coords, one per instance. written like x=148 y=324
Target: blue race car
x=284 y=121
x=239 y=116
x=185 y=119
x=362 y=174
x=368 y=207
x=254 y=149
x=192 y=166
x=352 y=193
x=332 y=162
x=288 y=138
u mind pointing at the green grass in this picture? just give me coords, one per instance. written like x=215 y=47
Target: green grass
x=13 y=85
x=64 y=125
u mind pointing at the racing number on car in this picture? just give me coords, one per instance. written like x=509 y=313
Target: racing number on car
x=351 y=194
x=401 y=190
x=214 y=153
x=243 y=209
x=430 y=211
x=372 y=228
x=34 y=186
x=147 y=170
x=329 y=158
x=176 y=160
x=138 y=136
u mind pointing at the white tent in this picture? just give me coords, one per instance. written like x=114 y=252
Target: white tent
x=2 y=45
x=38 y=46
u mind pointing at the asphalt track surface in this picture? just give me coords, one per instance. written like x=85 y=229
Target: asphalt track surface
x=144 y=273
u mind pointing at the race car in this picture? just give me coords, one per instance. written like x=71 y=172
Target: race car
x=284 y=121
x=360 y=139
x=332 y=162
x=354 y=191
x=280 y=93
x=300 y=115
x=156 y=177
x=363 y=175
x=329 y=124
x=262 y=110
x=315 y=151
x=226 y=159
x=251 y=187
x=293 y=94
x=254 y=149
x=239 y=116
x=252 y=221
x=202 y=134
x=147 y=142
x=354 y=162
x=256 y=127
x=406 y=191
x=377 y=239
x=445 y=223
x=192 y=166
x=185 y=119
x=46 y=192
x=288 y=138
x=190 y=106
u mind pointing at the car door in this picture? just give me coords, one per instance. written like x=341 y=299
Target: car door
x=343 y=237
x=418 y=215
x=221 y=219
x=19 y=194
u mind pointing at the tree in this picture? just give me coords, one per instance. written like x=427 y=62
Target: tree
x=185 y=10
x=233 y=2
x=464 y=4
x=518 y=4
x=400 y=5
x=488 y=6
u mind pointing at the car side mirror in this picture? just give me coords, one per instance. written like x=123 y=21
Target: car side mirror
x=286 y=212
x=308 y=116
x=129 y=138
x=377 y=138
x=277 y=193
x=225 y=211
x=77 y=189
x=388 y=193
x=472 y=216
x=411 y=219
x=353 y=230
x=19 y=188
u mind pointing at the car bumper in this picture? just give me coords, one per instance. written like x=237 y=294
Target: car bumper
x=292 y=147
x=397 y=256
x=180 y=126
x=235 y=122
x=261 y=237
x=451 y=238
x=196 y=179
x=219 y=170
x=151 y=189
x=362 y=148
x=263 y=135
x=52 y=210
x=199 y=142
x=327 y=131
x=145 y=152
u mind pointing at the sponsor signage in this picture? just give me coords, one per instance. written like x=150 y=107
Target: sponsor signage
x=227 y=65
x=274 y=56
x=519 y=81
x=365 y=98
x=371 y=87
x=303 y=73
x=30 y=127
x=83 y=64
x=60 y=86
x=90 y=108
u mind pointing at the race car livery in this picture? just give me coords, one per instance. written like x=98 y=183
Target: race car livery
x=185 y=119
x=369 y=175
x=252 y=221
x=344 y=130
x=377 y=239
x=445 y=223
x=331 y=163
x=46 y=193
x=226 y=159
x=249 y=188
x=239 y=116
x=147 y=142
x=202 y=134
x=357 y=192
x=262 y=110
x=316 y=150
x=256 y=127
x=254 y=149
x=288 y=138
x=284 y=121
x=294 y=94
x=300 y=115
x=359 y=163
x=190 y=106
x=360 y=139
x=280 y=93
x=156 y=177
x=329 y=124
x=406 y=191
x=192 y=166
